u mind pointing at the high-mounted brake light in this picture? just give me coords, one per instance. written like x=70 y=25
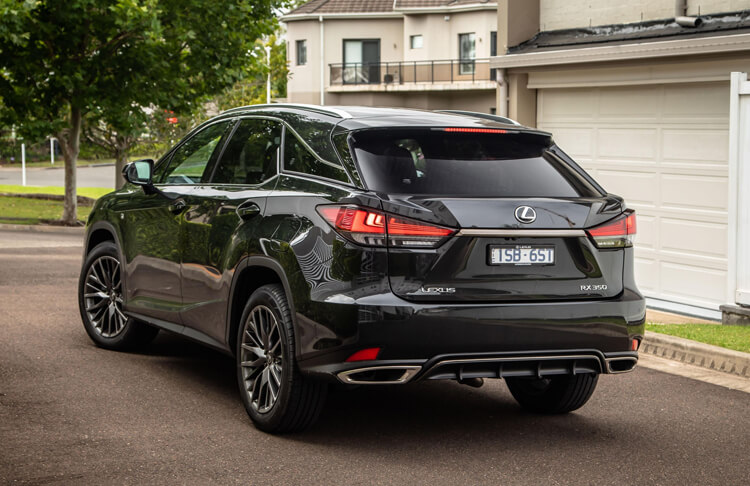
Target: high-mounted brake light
x=375 y=228
x=473 y=130
x=618 y=233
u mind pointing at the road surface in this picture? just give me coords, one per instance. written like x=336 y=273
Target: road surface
x=71 y=413
x=101 y=176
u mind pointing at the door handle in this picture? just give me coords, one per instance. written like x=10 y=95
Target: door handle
x=248 y=210
x=177 y=207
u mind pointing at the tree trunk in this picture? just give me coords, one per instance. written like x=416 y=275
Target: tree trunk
x=70 y=143
x=121 y=158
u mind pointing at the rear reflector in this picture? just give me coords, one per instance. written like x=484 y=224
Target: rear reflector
x=374 y=228
x=473 y=130
x=617 y=233
x=368 y=354
x=635 y=345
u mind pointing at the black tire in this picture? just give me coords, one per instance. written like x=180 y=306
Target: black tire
x=559 y=394
x=266 y=345
x=100 y=303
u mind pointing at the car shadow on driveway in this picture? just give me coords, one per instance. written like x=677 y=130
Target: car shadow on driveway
x=437 y=411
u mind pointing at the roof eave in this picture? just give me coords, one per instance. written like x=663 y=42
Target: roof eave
x=622 y=52
x=341 y=16
x=446 y=9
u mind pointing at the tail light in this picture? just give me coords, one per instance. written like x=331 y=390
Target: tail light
x=375 y=228
x=617 y=233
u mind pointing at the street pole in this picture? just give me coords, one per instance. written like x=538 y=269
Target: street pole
x=268 y=80
x=23 y=164
x=52 y=150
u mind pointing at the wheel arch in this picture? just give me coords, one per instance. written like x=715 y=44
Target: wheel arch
x=252 y=273
x=98 y=233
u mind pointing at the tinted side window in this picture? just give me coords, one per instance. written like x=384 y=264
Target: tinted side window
x=189 y=162
x=298 y=159
x=251 y=155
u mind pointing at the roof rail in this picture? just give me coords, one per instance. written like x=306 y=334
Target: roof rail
x=485 y=116
x=301 y=106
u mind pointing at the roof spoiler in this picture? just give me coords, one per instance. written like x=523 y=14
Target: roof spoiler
x=485 y=116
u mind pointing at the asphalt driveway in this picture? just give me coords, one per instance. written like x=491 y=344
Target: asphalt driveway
x=71 y=413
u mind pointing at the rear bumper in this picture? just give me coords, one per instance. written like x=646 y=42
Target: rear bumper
x=475 y=340
x=506 y=365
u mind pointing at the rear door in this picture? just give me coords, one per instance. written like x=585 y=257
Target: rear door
x=519 y=207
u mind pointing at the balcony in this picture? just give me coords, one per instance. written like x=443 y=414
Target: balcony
x=443 y=75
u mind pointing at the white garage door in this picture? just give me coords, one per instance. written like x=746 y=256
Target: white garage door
x=663 y=148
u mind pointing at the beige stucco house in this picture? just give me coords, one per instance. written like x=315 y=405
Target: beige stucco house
x=430 y=54
x=643 y=103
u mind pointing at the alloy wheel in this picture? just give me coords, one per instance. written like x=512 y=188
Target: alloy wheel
x=103 y=297
x=261 y=358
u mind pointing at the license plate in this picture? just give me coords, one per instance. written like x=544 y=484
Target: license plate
x=522 y=255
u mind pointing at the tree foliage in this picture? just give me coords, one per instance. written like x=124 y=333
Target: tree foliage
x=62 y=60
x=252 y=90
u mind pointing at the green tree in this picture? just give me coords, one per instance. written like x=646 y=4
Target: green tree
x=61 y=60
x=252 y=90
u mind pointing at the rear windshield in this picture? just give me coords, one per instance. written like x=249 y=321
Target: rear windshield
x=433 y=161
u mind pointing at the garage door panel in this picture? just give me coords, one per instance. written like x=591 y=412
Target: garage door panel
x=664 y=148
x=647 y=271
x=700 y=192
x=705 y=285
x=693 y=237
x=627 y=143
x=697 y=102
x=703 y=146
x=646 y=230
x=635 y=187
x=569 y=104
x=618 y=103
x=578 y=142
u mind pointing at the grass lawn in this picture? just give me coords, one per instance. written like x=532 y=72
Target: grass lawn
x=22 y=210
x=92 y=192
x=730 y=337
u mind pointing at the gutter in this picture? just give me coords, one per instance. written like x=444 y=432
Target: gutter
x=341 y=16
x=622 y=52
x=396 y=13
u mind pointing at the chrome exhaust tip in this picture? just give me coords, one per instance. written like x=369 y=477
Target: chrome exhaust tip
x=621 y=365
x=379 y=375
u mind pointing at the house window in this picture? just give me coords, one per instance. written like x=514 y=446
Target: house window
x=467 y=52
x=361 y=61
x=301 y=52
x=416 y=41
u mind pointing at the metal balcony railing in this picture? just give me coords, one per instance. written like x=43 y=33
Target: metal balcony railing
x=403 y=72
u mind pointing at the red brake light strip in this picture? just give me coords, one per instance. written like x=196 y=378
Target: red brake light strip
x=473 y=130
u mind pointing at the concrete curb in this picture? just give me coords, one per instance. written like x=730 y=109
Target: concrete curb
x=698 y=354
x=44 y=228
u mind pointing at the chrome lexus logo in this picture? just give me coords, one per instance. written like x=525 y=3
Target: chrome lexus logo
x=525 y=214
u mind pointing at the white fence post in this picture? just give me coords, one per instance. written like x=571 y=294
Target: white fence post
x=739 y=190
x=23 y=164
x=52 y=150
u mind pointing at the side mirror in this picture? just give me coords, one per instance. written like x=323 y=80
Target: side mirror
x=139 y=172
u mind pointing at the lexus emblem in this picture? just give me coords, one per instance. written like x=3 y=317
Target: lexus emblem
x=525 y=214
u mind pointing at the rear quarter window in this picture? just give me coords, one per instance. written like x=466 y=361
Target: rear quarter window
x=297 y=158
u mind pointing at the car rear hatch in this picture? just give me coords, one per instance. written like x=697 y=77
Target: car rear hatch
x=487 y=215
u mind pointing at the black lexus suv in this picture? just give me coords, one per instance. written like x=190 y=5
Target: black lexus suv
x=369 y=246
